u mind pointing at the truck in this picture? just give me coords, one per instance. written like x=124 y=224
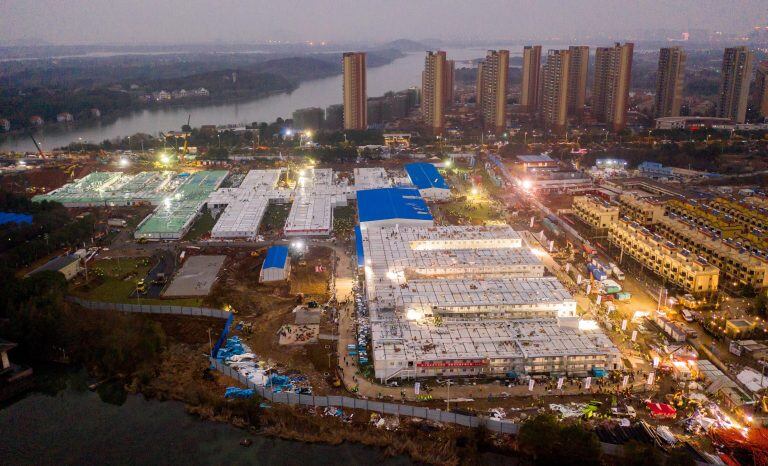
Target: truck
x=596 y=272
x=549 y=225
x=674 y=331
x=588 y=249
x=611 y=287
x=117 y=222
x=617 y=273
x=624 y=411
x=690 y=301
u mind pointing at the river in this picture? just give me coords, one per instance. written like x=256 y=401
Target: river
x=64 y=423
x=397 y=75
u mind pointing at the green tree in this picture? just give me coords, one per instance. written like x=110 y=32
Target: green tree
x=548 y=442
x=641 y=454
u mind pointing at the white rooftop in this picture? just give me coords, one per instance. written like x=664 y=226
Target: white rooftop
x=397 y=339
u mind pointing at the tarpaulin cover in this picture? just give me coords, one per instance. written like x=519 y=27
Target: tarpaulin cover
x=234 y=392
x=661 y=409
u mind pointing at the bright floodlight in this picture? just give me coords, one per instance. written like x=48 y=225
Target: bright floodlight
x=164 y=158
x=167 y=202
x=413 y=314
x=527 y=185
x=448 y=163
x=298 y=245
x=308 y=133
x=289 y=132
x=588 y=325
x=124 y=162
x=474 y=191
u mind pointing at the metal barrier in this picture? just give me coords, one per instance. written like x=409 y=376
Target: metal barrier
x=151 y=308
x=496 y=425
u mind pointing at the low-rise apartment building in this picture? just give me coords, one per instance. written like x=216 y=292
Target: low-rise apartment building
x=595 y=212
x=643 y=210
x=738 y=265
x=674 y=264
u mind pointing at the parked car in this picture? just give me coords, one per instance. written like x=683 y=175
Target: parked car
x=624 y=411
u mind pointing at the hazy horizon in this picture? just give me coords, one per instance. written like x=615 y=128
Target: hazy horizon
x=141 y=22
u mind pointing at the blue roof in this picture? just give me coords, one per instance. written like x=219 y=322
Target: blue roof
x=425 y=175
x=12 y=217
x=359 y=246
x=276 y=257
x=391 y=203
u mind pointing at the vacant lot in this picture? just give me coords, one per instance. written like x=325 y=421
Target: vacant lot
x=265 y=308
x=113 y=280
x=310 y=274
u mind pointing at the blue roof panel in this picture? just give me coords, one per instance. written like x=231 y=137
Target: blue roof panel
x=359 y=246
x=391 y=203
x=276 y=257
x=425 y=176
x=12 y=217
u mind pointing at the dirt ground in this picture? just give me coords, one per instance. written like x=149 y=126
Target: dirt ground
x=267 y=307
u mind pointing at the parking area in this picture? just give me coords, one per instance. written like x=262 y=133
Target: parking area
x=196 y=277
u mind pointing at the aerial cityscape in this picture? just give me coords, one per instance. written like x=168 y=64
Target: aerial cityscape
x=290 y=234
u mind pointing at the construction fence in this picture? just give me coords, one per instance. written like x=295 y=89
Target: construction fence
x=495 y=425
x=151 y=308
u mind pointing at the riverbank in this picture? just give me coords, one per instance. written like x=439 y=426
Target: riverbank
x=268 y=81
x=397 y=72
x=64 y=423
x=185 y=378
x=113 y=116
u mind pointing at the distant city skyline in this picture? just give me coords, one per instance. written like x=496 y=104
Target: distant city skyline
x=239 y=21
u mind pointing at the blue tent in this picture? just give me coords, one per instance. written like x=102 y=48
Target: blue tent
x=276 y=257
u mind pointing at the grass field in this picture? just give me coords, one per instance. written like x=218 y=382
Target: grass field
x=275 y=217
x=344 y=221
x=119 y=280
x=202 y=226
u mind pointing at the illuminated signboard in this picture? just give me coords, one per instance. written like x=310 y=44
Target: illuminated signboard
x=451 y=363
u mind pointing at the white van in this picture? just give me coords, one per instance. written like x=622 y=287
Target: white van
x=687 y=315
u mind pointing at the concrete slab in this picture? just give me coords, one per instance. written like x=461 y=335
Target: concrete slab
x=196 y=277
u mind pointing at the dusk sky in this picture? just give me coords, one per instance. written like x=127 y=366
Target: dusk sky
x=196 y=21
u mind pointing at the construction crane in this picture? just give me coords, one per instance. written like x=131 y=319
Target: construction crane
x=183 y=154
x=39 y=150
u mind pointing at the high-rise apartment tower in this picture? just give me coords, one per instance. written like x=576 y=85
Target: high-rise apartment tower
x=433 y=88
x=734 y=84
x=492 y=89
x=531 y=85
x=556 y=76
x=610 y=89
x=669 y=82
x=355 y=105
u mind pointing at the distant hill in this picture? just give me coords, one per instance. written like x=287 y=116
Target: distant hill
x=406 y=45
x=299 y=68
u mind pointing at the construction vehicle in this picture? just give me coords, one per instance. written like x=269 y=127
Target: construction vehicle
x=39 y=150
x=141 y=286
x=186 y=135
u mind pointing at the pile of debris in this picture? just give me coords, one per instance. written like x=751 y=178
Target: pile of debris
x=617 y=434
x=239 y=357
